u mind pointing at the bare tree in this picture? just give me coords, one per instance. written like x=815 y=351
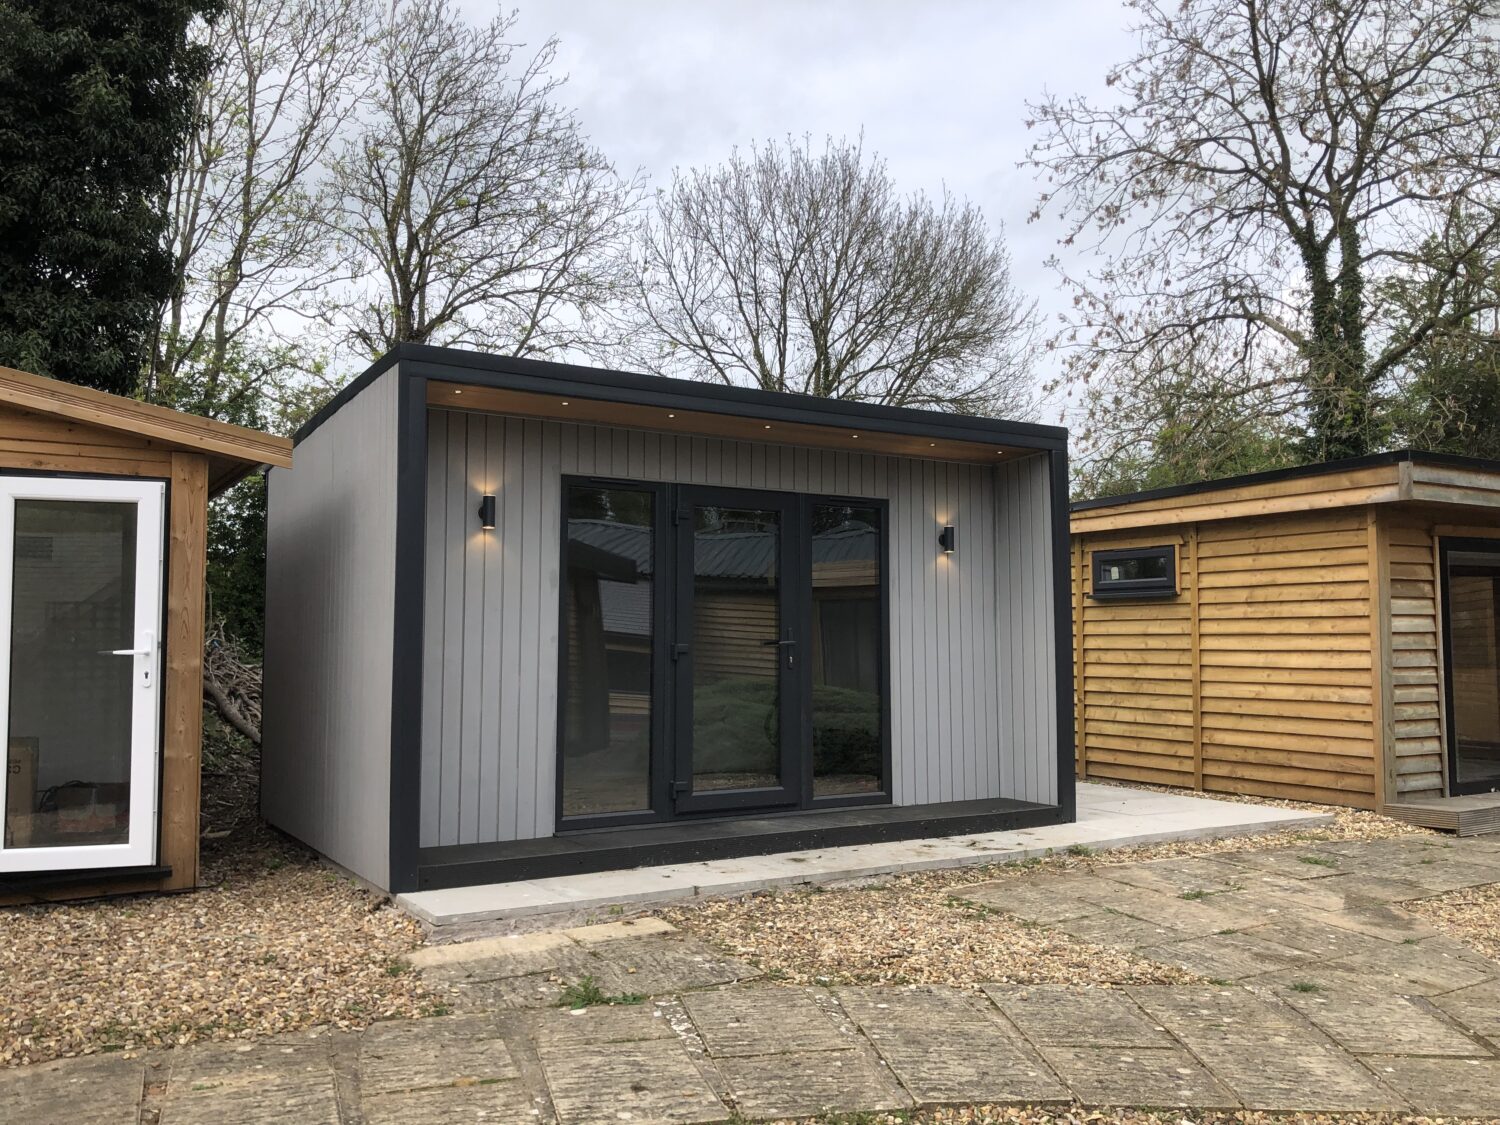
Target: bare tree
x=1269 y=164
x=794 y=270
x=475 y=207
x=248 y=207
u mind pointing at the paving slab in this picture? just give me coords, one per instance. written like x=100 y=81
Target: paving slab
x=441 y=1051
x=626 y=1023
x=1041 y=901
x=1178 y=876
x=96 y=1090
x=504 y=994
x=643 y=1081
x=765 y=1021
x=1108 y=817
x=1371 y=1022
x=1062 y=1016
x=1431 y=965
x=665 y=963
x=275 y=1080
x=487 y=1101
x=1309 y=862
x=1115 y=930
x=1118 y=1076
x=1320 y=939
x=806 y=1083
x=945 y=1050
x=1450 y=1087
x=1226 y=956
x=1265 y=1053
x=1476 y=1007
x=1389 y=923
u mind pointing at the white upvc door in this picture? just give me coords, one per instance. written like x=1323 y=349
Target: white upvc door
x=80 y=671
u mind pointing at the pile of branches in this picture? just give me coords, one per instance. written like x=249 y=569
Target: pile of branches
x=231 y=684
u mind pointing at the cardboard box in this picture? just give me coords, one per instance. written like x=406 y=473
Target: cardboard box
x=20 y=791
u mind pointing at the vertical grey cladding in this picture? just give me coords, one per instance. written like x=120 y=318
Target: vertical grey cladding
x=330 y=587
x=971 y=713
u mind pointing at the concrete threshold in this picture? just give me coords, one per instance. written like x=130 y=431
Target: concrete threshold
x=1108 y=817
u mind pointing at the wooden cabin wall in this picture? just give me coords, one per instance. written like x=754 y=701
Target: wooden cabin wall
x=1416 y=762
x=1259 y=678
x=40 y=443
x=1133 y=668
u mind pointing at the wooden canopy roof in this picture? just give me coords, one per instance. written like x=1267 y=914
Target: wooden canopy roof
x=1405 y=476
x=232 y=451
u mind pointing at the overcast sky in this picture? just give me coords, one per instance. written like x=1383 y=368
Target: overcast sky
x=938 y=88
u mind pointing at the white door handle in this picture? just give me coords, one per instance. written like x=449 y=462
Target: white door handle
x=127 y=652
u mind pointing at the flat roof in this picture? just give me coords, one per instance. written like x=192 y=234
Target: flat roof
x=1403 y=475
x=600 y=396
x=1320 y=468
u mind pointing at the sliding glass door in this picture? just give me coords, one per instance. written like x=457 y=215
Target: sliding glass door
x=722 y=650
x=80 y=613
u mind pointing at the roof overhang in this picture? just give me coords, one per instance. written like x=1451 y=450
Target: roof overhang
x=1404 y=476
x=473 y=381
x=232 y=451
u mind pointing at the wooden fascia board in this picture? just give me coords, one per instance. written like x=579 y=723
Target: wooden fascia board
x=1442 y=484
x=1218 y=507
x=111 y=412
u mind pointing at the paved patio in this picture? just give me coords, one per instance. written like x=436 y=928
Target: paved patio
x=1320 y=993
x=1109 y=816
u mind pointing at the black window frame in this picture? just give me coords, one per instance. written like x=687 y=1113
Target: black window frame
x=1121 y=589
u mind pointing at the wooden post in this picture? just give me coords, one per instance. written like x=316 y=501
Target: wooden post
x=1195 y=667
x=182 y=732
x=1382 y=700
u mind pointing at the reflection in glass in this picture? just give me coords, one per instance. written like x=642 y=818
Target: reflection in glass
x=69 y=736
x=846 y=650
x=1474 y=631
x=736 y=660
x=608 y=597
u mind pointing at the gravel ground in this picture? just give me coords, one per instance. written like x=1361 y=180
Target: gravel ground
x=1471 y=916
x=274 y=942
x=911 y=929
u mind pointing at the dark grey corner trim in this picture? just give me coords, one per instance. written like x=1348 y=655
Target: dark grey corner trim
x=1062 y=623
x=407 y=631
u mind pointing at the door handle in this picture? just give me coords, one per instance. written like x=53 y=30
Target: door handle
x=768 y=644
x=125 y=652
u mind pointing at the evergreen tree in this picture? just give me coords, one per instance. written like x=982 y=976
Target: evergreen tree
x=96 y=99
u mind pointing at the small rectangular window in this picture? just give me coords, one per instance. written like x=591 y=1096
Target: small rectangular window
x=1138 y=572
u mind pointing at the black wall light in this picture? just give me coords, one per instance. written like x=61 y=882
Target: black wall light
x=947 y=540
x=487 y=513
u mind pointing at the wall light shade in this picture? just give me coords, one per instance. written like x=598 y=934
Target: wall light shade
x=487 y=513
x=947 y=540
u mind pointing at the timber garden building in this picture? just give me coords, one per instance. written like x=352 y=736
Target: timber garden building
x=527 y=619
x=1327 y=633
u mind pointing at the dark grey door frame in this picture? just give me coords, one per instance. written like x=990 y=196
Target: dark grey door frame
x=1445 y=547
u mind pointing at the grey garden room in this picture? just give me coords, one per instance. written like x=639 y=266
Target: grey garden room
x=530 y=619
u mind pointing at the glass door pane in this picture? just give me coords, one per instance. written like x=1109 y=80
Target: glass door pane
x=609 y=607
x=740 y=652
x=847 y=651
x=1473 y=612
x=81 y=595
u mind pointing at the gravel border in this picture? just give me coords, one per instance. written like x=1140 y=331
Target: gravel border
x=274 y=941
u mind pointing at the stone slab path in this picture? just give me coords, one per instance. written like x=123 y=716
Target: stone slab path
x=1320 y=993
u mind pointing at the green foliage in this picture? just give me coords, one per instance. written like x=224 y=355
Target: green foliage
x=237 y=562
x=586 y=993
x=96 y=99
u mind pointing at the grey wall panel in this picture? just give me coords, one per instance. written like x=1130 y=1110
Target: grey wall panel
x=1026 y=670
x=330 y=588
x=969 y=669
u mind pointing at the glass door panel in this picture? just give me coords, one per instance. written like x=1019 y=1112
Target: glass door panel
x=1473 y=622
x=737 y=718
x=608 y=641
x=847 y=651
x=80 y=604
